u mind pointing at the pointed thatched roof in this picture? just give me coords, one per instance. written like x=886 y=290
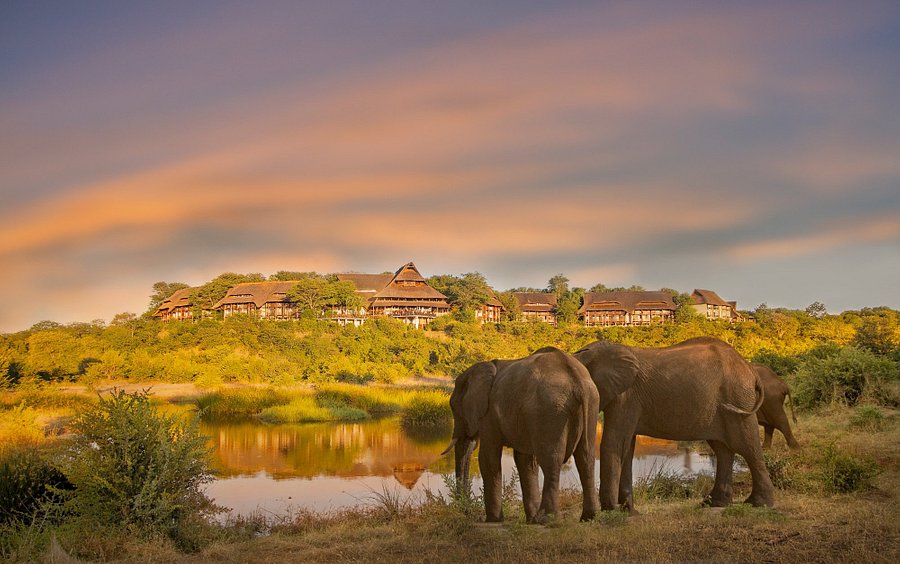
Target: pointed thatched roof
x=408 y=284
x=257 y=293
x=626 y=301
x=708 y=297
x=181 y=298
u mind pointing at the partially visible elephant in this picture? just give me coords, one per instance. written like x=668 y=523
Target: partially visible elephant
x=546 y=408
x=700 y=389
x=771 y=415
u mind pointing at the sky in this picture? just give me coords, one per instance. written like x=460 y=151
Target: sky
x=751 y=148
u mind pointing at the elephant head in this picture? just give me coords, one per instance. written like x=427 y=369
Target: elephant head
x=469 y=403
x=614 y=368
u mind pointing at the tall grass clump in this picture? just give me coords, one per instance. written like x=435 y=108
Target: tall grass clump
x=867 y=418
x=306 y=409
x=136 y=470
x=427 y=408
x=243 y=402
x=847 y=377
x=662 y=484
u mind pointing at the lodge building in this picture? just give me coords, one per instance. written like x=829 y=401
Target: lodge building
x=605 y=309
x=407 y=296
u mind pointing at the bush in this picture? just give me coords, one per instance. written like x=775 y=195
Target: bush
x=843 y=473
x=661 y=483
x=133 y=468
x=846 y=378
x=28 y=482
x=867 y=418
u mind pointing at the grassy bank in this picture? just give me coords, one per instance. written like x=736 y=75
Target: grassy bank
x=837 y=501
x=328 y=402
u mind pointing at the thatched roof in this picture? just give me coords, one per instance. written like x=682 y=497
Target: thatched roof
x=708 y=297
x=407 y=284
x=535 y=301
x=181 y=298
x=257 y=293
x=366 y=284
x=626 y=301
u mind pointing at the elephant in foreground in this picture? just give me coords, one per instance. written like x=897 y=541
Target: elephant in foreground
x=771 y=415
x=700 y=389
x=545 y=407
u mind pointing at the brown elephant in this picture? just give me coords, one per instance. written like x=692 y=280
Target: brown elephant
x=700 y=389
x=771 y=415
x=545 y=407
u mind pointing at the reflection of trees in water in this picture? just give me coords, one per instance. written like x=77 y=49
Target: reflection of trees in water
x=369 y=448
x=429 y=435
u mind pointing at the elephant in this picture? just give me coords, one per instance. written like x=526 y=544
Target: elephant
x=700 y=389
x=546 y=408
x=771 y=415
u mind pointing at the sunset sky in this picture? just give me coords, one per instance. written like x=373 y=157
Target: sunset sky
x=751 y=148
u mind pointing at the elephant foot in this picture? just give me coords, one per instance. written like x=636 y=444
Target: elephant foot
x=494 y=519
x=541 y=519
x=710 y=501
x=760 y=501
x=587 y=517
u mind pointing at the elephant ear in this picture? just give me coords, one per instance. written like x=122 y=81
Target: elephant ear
x=614 y=368
x=475 y=399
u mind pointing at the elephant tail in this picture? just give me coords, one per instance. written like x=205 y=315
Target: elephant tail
x=760 y=396
x=791 y=403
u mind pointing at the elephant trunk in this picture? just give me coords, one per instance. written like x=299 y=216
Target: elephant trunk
x=463 y=450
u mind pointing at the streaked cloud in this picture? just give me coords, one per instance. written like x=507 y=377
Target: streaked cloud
x=598 y=141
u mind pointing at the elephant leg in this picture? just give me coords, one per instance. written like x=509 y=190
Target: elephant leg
x=527 y=466
x=763 y=492
x=767 y=441
x=489 y=461
x=626 y=481
x=550 y=466
x=618 y=434
x=721 y=495
x=789 y=436
x=584 y=462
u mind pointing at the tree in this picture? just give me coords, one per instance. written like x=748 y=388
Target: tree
x=558 y=285
x=290 y=276
x=467 y=292
x=511 y=309
x=310 y=293
x=567 y=305
x=684 y=306
x=817 y=310
x=161 y=291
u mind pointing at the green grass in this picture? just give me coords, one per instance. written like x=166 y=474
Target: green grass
x=328 y=402
x=305 y=409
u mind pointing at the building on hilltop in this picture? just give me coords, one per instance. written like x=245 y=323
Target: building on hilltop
x=603 y=309
x=367 y=285
x=537 y=306
x=266 y=300
x=491 y=310
x=176 y=307
x=708 y=304
x=409 y=298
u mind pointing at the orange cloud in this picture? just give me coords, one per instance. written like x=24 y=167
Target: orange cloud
x=880 y=229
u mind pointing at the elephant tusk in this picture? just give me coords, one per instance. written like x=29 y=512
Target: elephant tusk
x=452 y=443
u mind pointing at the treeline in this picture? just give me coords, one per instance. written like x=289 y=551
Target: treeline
x=244 y=349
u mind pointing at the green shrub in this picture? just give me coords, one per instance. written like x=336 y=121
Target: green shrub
x=846 y=378
x=841 y=472
x=241 y=402
x=135 y=469
x=867 y=418
x=28 y=482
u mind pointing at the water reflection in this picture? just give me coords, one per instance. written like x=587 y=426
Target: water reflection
x=327 y=466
